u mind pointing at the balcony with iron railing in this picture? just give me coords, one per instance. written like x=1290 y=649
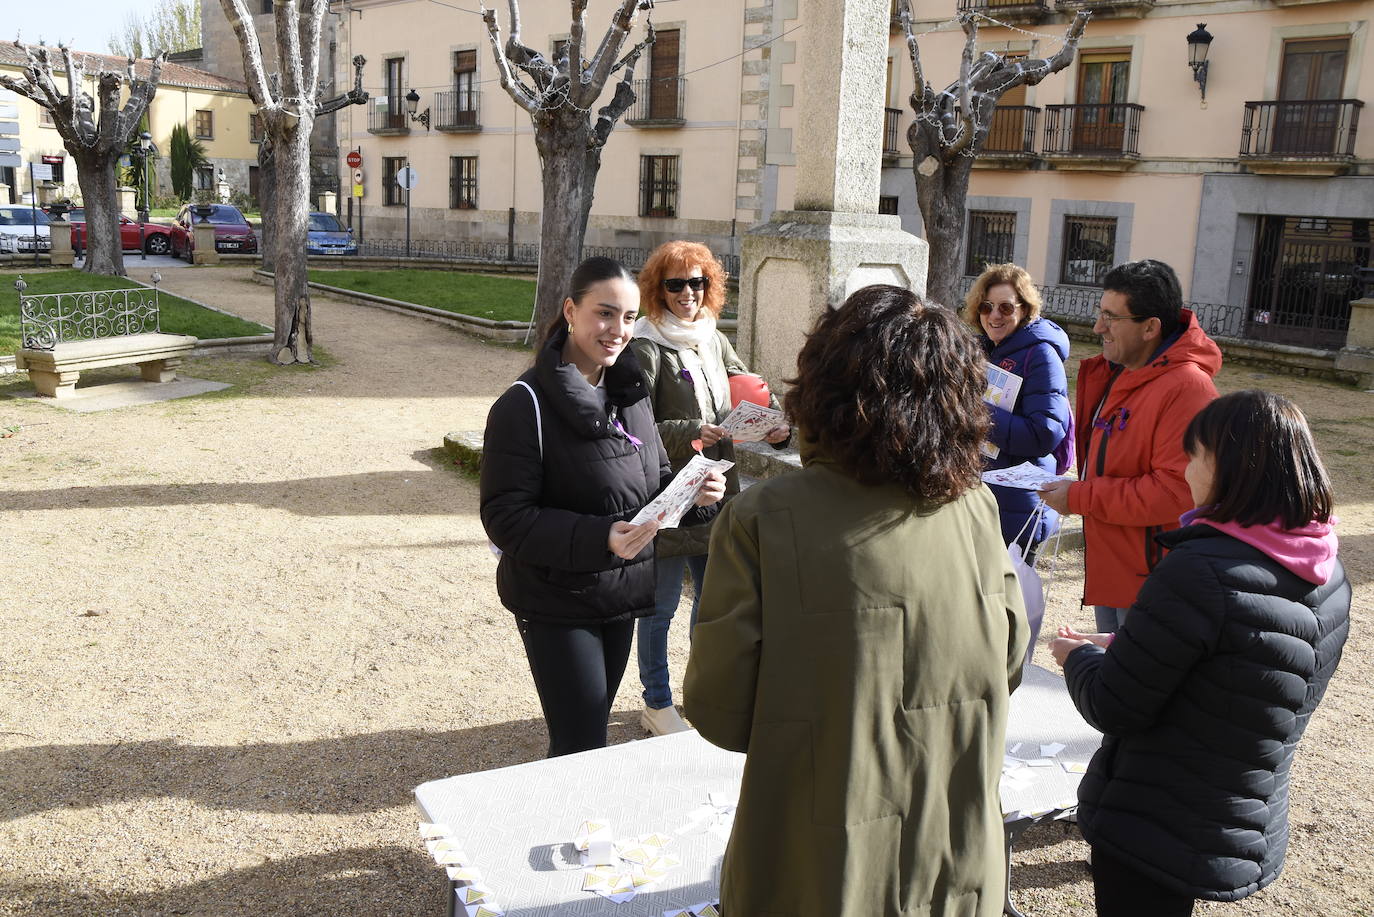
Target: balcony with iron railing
x=460 y=111
x=1309 y=137
x=659 y=102
x=1010 y=143
x=387 y=115
x=1101 y=137
x=1107 y=9
x=892 y=120
x=1015 y=11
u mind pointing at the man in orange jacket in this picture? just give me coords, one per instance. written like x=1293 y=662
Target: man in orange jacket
x=1133 y=403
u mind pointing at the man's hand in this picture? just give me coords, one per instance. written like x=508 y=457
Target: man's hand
x=713 y=490
x=778 y=434
x=1056 y=496
x=626 y=541
x=711 y=434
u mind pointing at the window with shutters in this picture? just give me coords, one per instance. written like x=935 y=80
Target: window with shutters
x=465 y=88
x=660 y=98
x=205 y=125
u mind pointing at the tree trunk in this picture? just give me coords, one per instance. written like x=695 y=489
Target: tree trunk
x=287 y=211
x=95 y=173
x=267 y=186
x=563 y=160
x=941 y=197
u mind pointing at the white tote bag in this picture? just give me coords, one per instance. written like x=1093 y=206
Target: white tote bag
x=1033 y=588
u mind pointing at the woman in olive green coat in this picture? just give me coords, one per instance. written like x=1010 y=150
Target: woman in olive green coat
x=860 y=632
x=687 y=365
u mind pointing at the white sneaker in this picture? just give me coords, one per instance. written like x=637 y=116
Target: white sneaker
x=662 y=722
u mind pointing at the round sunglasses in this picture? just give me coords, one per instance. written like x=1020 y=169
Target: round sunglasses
x=675 y=284
x=1004 y=309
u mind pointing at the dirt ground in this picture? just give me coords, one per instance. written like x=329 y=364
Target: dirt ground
x=239 y=629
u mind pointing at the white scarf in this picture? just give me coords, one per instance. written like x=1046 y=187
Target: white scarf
x=698 y=346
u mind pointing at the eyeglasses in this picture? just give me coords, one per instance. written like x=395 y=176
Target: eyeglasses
x=1109 y=318
x=1005 y=309
x=675 y=284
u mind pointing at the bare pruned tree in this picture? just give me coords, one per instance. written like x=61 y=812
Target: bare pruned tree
x=95 y=140
x=288 y=104
x=559 y=95
x=949 y=130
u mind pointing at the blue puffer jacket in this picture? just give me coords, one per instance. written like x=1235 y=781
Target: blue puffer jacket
x=1038 y=421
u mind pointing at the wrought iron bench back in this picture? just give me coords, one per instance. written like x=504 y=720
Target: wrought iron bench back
x=49 y=319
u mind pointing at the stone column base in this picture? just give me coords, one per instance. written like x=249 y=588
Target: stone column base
x=802 y=261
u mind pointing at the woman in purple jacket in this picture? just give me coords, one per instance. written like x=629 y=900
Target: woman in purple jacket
x=1004 y=307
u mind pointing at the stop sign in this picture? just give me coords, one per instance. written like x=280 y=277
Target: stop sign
x=354 y=159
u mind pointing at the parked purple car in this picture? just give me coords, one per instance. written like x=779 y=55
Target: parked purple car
x=233 y=235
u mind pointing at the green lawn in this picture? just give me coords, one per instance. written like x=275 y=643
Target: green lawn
x=178 y=315
x=481 y=295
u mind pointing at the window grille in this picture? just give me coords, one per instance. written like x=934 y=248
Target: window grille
x=658 y=186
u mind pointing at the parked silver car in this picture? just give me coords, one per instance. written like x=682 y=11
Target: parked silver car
x=23 y=229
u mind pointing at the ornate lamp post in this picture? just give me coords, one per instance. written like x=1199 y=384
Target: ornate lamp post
x=145 y=149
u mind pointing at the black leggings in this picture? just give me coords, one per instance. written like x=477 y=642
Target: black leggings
x=577 y=670
x=1120 y=891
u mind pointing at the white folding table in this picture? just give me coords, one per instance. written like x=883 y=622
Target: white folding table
x=517 y=823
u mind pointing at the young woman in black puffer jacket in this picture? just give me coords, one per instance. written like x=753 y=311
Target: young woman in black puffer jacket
x=571 y=453
x=1204 y=693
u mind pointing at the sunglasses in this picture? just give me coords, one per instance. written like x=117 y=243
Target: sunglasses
x=675 y=284
x=1005 y=309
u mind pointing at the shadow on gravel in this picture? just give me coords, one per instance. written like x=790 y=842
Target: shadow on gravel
x=391 y=880
x=370 y=493
x=340 y=776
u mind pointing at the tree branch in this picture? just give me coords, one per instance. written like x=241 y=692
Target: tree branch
x=578 y=35
x=355 y=96
x=312 y=22
x=286 y=16
x=523 y=95
x=922 y=89
x=624 y=93
x=590 y=83
x=254 y=73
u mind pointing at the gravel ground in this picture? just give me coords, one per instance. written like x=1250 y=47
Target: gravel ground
x=255 y=622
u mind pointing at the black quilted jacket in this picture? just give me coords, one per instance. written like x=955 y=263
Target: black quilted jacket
x=1202 y=698
x=551 y=516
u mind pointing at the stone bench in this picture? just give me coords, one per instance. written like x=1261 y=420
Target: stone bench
x=64 y=334
x=54 y=372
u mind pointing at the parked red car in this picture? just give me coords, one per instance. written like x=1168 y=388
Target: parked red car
x=233 y=234
x=157 y=237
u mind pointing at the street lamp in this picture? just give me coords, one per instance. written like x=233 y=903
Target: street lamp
x=145 y=148
x=1199 y=41
x=413 y=103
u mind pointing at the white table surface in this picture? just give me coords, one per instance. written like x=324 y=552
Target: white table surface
x=517 y=823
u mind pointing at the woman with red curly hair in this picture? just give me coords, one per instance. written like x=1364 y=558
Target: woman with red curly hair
x=687 y=364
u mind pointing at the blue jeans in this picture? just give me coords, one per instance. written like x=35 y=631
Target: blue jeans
x=653 y=630
x=1109 y=619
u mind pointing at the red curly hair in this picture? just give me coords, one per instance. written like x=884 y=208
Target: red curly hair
x=676 y=258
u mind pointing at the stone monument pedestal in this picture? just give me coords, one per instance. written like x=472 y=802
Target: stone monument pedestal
x=204 y=250
x=834 y=241
x=803 y=261
x=1357 y=356
x=61 y=254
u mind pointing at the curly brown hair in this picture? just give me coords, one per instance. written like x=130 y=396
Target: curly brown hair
x=891 y=387
x=670 y=258
x=995 y=275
